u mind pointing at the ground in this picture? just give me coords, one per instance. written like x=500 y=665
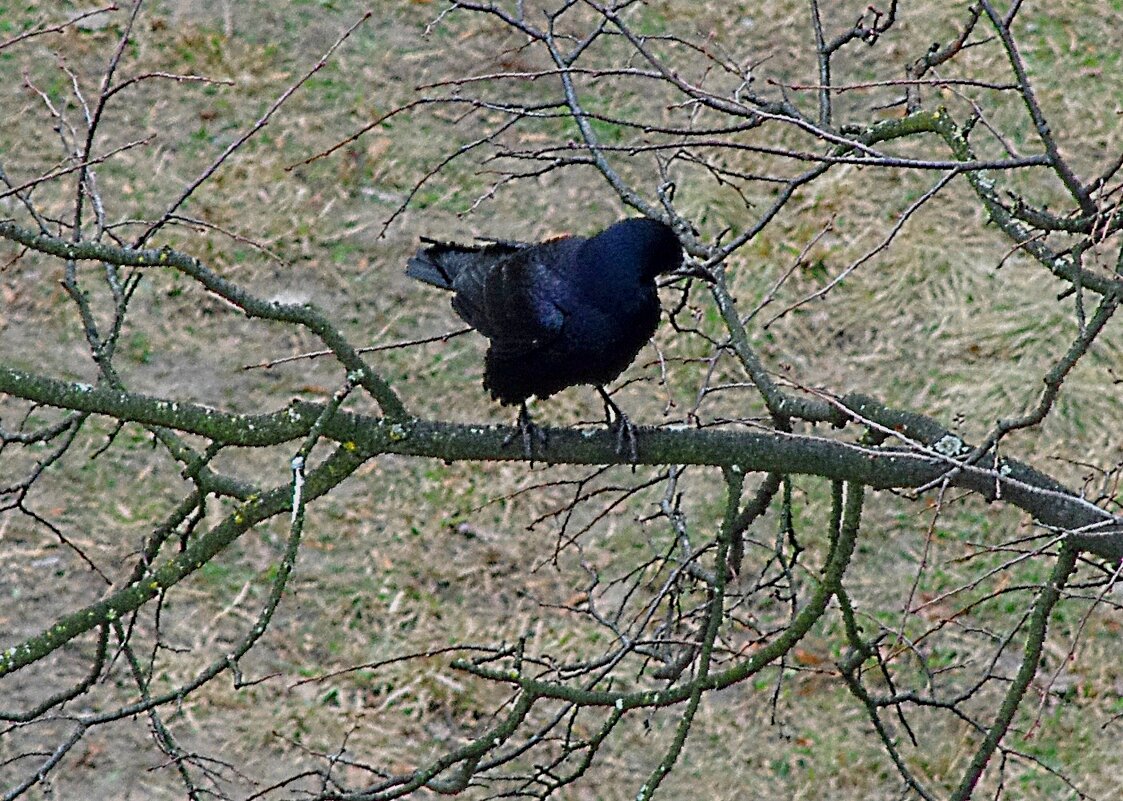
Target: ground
x=416 y=555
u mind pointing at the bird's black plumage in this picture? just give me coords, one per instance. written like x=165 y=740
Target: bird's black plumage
x=558 y=313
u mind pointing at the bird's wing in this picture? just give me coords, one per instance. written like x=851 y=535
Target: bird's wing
x=524 y=300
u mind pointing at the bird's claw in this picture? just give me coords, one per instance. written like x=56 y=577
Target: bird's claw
x=528 y=433
x=625 y=438
x=624 y=428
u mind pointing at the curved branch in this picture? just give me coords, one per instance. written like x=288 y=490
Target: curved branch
x=1047 y=598
x=305 y=315
x=247 y=515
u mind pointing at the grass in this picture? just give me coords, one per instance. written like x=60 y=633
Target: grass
x=413 y=554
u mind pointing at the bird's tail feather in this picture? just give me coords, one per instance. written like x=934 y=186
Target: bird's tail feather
x=429 y=270
x=431 y=265
x=439 y=263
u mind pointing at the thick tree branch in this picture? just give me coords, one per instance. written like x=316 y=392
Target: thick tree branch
x=1094 y=529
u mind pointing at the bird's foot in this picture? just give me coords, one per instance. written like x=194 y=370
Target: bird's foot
x=624 y=428
x=626 y=438
x=528 y=433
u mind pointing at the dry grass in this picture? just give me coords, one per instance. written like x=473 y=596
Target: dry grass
x=414 y=555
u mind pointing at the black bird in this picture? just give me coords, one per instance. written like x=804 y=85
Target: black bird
x=567 y=311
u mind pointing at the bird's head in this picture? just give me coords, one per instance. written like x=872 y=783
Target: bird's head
x=648 y=246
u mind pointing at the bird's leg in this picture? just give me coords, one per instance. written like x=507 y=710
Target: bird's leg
x=625 y=430
x=528 y=432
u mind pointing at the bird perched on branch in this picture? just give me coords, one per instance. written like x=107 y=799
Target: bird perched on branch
x=563 y=312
